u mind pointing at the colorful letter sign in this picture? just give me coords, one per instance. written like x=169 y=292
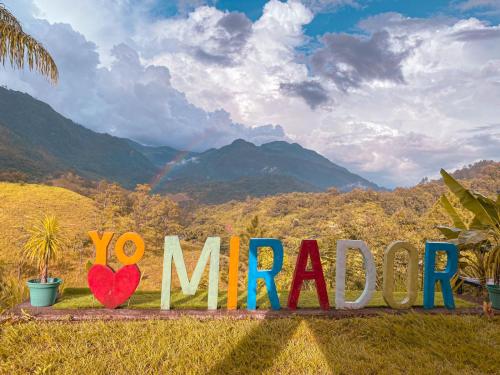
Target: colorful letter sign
x=267 y=275
x=114 y=288
x=232 y=287
x=109 y=287
x=431 y=276
x=412 y=278
x=308 y=249
x=369 y=263
x=173 y=251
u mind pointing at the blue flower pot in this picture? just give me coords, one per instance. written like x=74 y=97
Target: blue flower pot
x=494 y=291
x=43 y=294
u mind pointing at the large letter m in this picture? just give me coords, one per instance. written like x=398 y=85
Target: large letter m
x=173 y=251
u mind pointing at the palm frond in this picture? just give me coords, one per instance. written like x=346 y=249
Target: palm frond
x=455 y=217
x=44 y=243
x=8 y=18
x=20 y=48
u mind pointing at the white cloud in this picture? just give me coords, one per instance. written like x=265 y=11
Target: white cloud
x=251 y=84
x=211 y=70
x=127 y=98
x=487 y=6
x=324 y=6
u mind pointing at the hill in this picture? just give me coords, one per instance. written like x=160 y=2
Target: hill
x=377 y=217
x=38 y=141
x=21 y=205
x=243 y=169
x=161 y=155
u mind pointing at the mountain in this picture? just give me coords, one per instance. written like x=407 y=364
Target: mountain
x=160 y=155
x=243 y=169
x=39 y=142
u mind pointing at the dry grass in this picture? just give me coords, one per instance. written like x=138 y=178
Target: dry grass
x=410 y=344
x=21 y=205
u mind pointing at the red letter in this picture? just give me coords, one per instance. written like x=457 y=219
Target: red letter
x=308 y=248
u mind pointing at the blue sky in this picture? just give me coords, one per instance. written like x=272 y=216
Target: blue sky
x=344 y=18
x=392 y=90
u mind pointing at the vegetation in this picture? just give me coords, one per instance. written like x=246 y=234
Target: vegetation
x=44 y=244
x=376 y=217
x=409 y=344
x=11 y=290
x=19 y=47
x=479 y=238
x=383 y=344
x=41 y=144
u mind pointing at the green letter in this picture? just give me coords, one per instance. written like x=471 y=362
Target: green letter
x=173 y=250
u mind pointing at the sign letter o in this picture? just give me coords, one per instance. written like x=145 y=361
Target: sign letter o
x=412 y=276
x=139 y=248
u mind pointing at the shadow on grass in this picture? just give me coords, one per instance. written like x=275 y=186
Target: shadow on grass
x=257 y=352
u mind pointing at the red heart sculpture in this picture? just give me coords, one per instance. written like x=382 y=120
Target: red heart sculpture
x=110 y=288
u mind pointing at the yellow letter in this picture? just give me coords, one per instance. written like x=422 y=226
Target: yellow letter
x=232 y=287
x=139 y=248
x=101 y=246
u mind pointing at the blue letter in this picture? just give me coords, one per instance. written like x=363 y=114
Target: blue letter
x=267 y=275
x=431 y=276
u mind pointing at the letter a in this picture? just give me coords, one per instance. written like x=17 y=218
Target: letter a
x=308 y=248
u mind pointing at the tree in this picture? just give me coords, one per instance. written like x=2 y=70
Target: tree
x=44 y=244
x=479 y=240
x=153 y=216
x=19 y=47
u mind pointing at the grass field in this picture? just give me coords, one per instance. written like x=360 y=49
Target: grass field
x=22 y=205
x=81 y=298
x=409 y=344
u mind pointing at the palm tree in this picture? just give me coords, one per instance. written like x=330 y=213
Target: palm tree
x=19 y=47
x=44 y=244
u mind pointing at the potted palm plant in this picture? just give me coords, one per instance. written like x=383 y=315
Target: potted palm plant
x=42 y=247
x=478 y=240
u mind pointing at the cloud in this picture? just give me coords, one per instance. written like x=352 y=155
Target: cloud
x=488 y=5
x=185 y=7
x=371 y=148
x=312 y=92
x=349 y=60
x=477 y=34
x=228 y=38
x=411 y=94
x=128 y=98
x=247 y=81
x=324 y=6
x=208 y=35
x=444 y=116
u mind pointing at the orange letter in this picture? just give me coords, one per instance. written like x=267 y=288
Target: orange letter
x=139 y=248
x=101 y=246
x=232 y=287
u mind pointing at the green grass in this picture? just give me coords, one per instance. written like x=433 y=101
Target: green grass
x=81 y=298
x=409 y=344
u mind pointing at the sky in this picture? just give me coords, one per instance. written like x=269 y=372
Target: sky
x=392 y=90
